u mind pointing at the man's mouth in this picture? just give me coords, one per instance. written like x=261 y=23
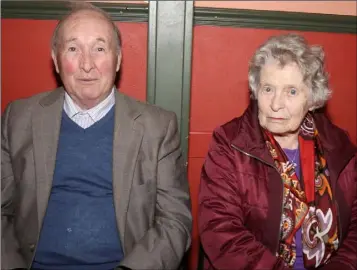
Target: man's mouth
x=87 y=81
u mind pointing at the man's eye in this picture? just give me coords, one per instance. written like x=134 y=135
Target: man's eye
x=72 y=49
x=267 y=89
x=100 y=49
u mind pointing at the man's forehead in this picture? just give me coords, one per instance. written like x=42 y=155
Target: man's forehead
x=84 y=18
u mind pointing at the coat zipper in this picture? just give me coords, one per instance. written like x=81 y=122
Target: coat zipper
x=271 y=165
x=339 y=224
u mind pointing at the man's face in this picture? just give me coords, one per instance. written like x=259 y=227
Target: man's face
x=87 y=58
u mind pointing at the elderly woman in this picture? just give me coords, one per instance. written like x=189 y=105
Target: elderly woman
x=279 y=184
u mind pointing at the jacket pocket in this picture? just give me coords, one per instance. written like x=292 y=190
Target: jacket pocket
x=141 y=210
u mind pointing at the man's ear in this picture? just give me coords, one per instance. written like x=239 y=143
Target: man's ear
x=54 y=58
x=118 y=62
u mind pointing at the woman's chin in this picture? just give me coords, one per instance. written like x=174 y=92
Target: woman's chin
x=277 y=130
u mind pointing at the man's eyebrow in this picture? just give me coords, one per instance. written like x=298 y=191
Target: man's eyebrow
x=101 y=40
x=70 y=39
x=74 y=39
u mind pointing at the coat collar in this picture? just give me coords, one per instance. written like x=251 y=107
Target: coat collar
x=46 y=122
x=249 y=137
x=128 y=136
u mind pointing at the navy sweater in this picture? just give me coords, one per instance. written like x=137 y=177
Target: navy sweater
x=80 y=228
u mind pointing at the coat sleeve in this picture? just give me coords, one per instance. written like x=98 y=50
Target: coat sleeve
x=227 y=243
x=346 y=255
x=10 y=252
x=164 y=245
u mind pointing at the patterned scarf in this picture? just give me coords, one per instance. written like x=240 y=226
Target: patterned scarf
x=312 y=208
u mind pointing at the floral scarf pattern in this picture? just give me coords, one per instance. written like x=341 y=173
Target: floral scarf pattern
x=311 y=207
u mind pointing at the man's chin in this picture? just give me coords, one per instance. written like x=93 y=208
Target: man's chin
x=87 y=102
x=91 y=95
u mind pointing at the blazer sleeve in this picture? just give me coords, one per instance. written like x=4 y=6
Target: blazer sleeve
x=11 y=257
x=346 y=255
x=164 y=245
x=226 y=242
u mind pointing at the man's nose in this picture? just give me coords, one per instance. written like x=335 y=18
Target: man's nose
x=277 y=102
x=87 y=63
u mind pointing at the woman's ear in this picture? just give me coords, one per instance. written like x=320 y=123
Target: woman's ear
x=311 y=103
x=312 y=108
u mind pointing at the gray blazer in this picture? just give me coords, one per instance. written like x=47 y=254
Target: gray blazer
x=150 y=187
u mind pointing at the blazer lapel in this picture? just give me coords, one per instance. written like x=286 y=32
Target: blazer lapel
x=128 y=135
x=45 y=127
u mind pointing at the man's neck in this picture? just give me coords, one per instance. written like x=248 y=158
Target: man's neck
x=87 y=104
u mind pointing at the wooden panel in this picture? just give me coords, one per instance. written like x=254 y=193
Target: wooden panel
x=54 y=10
x=326 y=7
x=169 y=81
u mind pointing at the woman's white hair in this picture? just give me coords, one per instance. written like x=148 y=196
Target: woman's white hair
x=289 y=48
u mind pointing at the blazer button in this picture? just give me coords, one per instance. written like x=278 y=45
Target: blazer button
x=32 y=247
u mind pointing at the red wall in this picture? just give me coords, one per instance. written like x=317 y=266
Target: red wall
x=219 y=77
x=27 y=65
x=220 y=88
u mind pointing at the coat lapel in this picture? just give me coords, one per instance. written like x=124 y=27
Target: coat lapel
x=45 y=127
x=128 y=134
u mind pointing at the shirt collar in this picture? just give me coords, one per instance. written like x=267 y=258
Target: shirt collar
x=72 y=109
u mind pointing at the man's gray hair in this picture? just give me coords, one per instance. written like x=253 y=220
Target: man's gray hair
x=80 y=7
x=289 y=48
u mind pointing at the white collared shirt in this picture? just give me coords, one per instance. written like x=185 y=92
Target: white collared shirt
x=86 y=118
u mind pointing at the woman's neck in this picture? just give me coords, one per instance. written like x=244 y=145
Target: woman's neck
x=288 y=141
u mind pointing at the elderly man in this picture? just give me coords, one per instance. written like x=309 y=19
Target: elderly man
x=91 y=179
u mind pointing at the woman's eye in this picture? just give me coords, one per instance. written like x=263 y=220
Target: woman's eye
x=293 y=91
x=72 y=49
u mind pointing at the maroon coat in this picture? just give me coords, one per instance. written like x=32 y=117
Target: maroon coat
x=241 y=195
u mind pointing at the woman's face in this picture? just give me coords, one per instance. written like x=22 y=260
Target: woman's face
x=283 y=98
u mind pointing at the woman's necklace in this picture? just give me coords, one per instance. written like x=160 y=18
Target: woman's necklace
x=293 y=161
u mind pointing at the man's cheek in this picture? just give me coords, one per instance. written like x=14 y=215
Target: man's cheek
x=68 y=67
x=106 y=67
